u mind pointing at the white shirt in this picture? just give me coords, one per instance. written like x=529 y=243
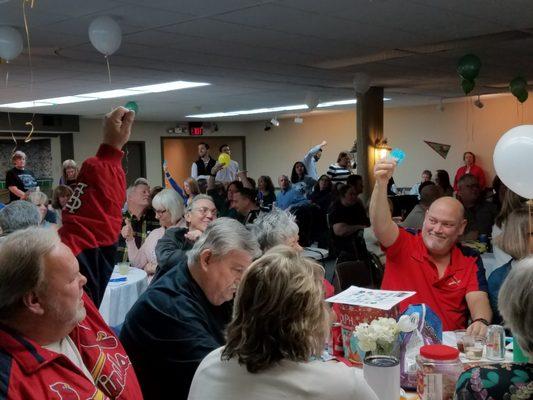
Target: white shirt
x=315 y=380
x=67 y=347
x=228 y=173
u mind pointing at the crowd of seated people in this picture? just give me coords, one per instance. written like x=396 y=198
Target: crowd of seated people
x=197 y=242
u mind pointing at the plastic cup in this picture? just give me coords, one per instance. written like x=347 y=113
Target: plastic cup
x=123 y=268
x=474 y=346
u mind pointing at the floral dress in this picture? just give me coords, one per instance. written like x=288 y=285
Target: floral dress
x=496 y=382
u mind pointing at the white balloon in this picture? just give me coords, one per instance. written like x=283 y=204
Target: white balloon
x=105 y=35
x=361 y=82
x=10 y=43
x=513 y=160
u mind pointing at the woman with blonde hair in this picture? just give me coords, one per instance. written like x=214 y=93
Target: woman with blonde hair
x=168 y=207
x=279 y=327
x=517 y=241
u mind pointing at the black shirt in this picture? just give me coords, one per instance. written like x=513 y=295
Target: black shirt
x=351 y=215
x=170 y=250
x=23 y=179
x=168 y=332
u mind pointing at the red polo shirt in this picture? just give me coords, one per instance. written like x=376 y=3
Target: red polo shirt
x=409 y=267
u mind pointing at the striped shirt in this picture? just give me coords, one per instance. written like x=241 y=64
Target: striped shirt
x=338 y=174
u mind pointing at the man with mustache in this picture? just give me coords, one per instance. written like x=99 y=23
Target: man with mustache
x=447 y=277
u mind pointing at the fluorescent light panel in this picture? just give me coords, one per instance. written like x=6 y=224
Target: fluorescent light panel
x=275 y=109
x=109 y=94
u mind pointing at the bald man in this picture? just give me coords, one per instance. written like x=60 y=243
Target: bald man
x=447 y=277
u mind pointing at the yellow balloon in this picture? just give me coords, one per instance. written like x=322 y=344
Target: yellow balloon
x=224 y=159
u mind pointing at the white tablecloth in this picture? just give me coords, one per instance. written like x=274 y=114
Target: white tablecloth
x=120 y=296
x=489 y=262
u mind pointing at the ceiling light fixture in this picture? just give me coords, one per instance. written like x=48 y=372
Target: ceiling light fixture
x=297 y=107
x=274 y=121
x=109 y=94
x=298 y=120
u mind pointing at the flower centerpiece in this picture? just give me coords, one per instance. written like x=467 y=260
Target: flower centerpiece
x=381 y=335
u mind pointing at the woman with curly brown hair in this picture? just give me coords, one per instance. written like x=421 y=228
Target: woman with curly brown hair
x=280 y=324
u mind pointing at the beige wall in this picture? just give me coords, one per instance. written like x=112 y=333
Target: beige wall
x=461 y=125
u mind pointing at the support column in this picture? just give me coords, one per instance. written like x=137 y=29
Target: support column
x=369 y=129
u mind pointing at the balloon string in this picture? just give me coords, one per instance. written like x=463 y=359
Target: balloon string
x=28 y=138
x=12 y=134
x=7 y=78
x=108 y=69
x=529 y=203
x=27 y=29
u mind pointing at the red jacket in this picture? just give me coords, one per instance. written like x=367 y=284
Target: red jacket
x=474 y=170
x=91 y=226
x=28 y=371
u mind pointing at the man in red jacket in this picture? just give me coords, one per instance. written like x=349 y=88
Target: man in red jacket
x=53 y=342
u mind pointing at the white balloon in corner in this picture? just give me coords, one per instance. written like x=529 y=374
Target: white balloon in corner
x=105 y=35
x=513 y=160
x=11 y=43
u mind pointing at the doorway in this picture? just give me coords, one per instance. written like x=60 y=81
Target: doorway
x=181 y=152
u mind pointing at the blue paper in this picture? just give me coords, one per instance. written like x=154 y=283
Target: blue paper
x=122 y=279
x=398 y=155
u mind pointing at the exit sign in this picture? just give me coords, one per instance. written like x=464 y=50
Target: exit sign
x=197 y=131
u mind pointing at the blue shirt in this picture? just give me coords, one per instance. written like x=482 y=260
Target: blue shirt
x=289 y=198
x=310 y=162
x=495 y=282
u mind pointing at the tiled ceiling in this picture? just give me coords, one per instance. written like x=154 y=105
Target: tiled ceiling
x=264 y=53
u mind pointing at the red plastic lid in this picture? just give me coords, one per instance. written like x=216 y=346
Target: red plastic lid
x=439 y=352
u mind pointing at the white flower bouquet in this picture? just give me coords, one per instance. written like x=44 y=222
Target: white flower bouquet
x=381 y=335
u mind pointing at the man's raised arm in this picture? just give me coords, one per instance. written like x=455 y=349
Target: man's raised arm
x=385 y=229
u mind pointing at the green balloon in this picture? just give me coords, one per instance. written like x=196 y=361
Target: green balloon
x=522 y=96
x=467 y=85
x=469 y=66
x=131 y=105
x=517 y=86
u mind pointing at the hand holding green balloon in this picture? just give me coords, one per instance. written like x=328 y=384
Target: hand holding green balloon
x=131 y=105
x=224 y=159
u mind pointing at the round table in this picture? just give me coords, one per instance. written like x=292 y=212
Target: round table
x=120 y=295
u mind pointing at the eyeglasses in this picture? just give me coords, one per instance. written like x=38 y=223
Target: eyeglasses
x=160 y=211
x=206 y=210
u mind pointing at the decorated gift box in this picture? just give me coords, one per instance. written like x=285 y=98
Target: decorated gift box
x=358 y=305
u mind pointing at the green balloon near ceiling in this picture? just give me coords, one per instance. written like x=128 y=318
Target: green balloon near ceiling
x=467 y=85
x=518 y=87
x=469 y=66
x=131 y=105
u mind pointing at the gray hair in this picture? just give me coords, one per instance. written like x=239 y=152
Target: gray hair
x=222 y=236
x=196 y=198
x=69 y=164
x=515 y=303
x=18 y=215
x=138 y=182
x=170 y=201
x=22 y=265
x=274 y=228
x=37 y=197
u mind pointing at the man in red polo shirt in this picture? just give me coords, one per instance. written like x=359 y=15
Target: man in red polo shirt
x=448 y=278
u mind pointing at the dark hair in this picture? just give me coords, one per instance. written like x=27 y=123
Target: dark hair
x=60 y=191
x=238 y=185
x=221 y=147
x=155 y=190
x=443 y=179
x=205 y=144
x=250 y=194
x=354 y=180
x=316 y=188
x=342 y=154
x=252 y=183
x=343 y=190
x=268 y=183
x=424 y=184
x=467 y=178
x=294 y=176
x=469 y=152
x=427 y=172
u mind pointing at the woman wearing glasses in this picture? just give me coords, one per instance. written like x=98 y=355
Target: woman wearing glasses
x=170 y=249
x=168 y=207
